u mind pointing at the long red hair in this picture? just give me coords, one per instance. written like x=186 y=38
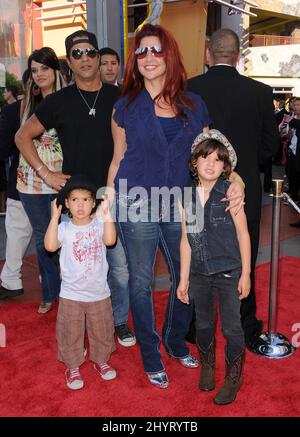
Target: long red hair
x=175 y=84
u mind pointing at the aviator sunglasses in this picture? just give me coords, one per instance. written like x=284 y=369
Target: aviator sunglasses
x=156 y=51
x=78 y=53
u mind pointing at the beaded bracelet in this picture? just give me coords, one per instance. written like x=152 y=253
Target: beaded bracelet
x=39 y=168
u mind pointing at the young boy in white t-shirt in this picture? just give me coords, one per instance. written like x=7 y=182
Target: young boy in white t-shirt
x=84 y=294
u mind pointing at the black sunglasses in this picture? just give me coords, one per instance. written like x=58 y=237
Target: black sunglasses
x=78 y=53
x=156 y=51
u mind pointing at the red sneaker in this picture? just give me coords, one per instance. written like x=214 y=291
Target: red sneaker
x=73 y=378
x=105 y=370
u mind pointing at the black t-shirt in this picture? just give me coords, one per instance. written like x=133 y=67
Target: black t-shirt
x=86 y=140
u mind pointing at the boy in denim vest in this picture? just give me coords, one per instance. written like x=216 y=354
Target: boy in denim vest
x=215 y=257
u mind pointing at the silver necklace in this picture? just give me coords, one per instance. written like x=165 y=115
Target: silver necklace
x=92 y=110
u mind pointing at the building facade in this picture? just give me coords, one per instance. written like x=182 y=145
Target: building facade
x=26 y=25
x=271 y=44
x=270 y=41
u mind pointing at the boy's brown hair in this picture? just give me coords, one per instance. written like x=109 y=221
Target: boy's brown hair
x=205 y=148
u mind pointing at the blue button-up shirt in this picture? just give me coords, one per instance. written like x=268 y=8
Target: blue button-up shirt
x=150 y=161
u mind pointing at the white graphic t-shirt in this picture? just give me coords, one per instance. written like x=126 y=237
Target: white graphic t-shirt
x=83 y=262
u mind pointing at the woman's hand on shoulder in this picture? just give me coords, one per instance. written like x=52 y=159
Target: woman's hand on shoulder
x=235 y=196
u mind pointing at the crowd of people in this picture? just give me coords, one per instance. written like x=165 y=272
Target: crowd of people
x=107 y=171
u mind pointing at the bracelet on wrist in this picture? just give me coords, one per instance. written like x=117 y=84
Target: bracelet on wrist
x=45 y=175
x=39 y=168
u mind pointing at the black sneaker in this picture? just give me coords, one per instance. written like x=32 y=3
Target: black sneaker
x=6 y=293
x=125 y=336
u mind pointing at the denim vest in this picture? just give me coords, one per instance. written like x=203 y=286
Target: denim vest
x=214 y=245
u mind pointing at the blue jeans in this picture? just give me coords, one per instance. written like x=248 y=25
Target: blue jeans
x=118 y=277
x=203 y=289
x=38 y=209
x=141 y=239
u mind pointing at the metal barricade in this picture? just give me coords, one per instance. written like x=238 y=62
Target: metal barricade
x=272 y=344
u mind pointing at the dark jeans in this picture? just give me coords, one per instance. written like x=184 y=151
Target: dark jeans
x=204 y=290
x=250 y=323
x=141 y=240
x=38 y=209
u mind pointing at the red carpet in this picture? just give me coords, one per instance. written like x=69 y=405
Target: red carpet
x=32 y=381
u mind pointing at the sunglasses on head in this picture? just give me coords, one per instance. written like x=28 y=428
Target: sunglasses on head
x=156 y=51
x=78 y=53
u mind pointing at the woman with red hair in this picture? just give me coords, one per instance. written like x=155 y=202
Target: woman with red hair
x=154 y=124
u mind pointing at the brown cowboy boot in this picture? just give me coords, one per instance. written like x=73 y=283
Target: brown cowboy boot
x=233 y=381
x=208 y=364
